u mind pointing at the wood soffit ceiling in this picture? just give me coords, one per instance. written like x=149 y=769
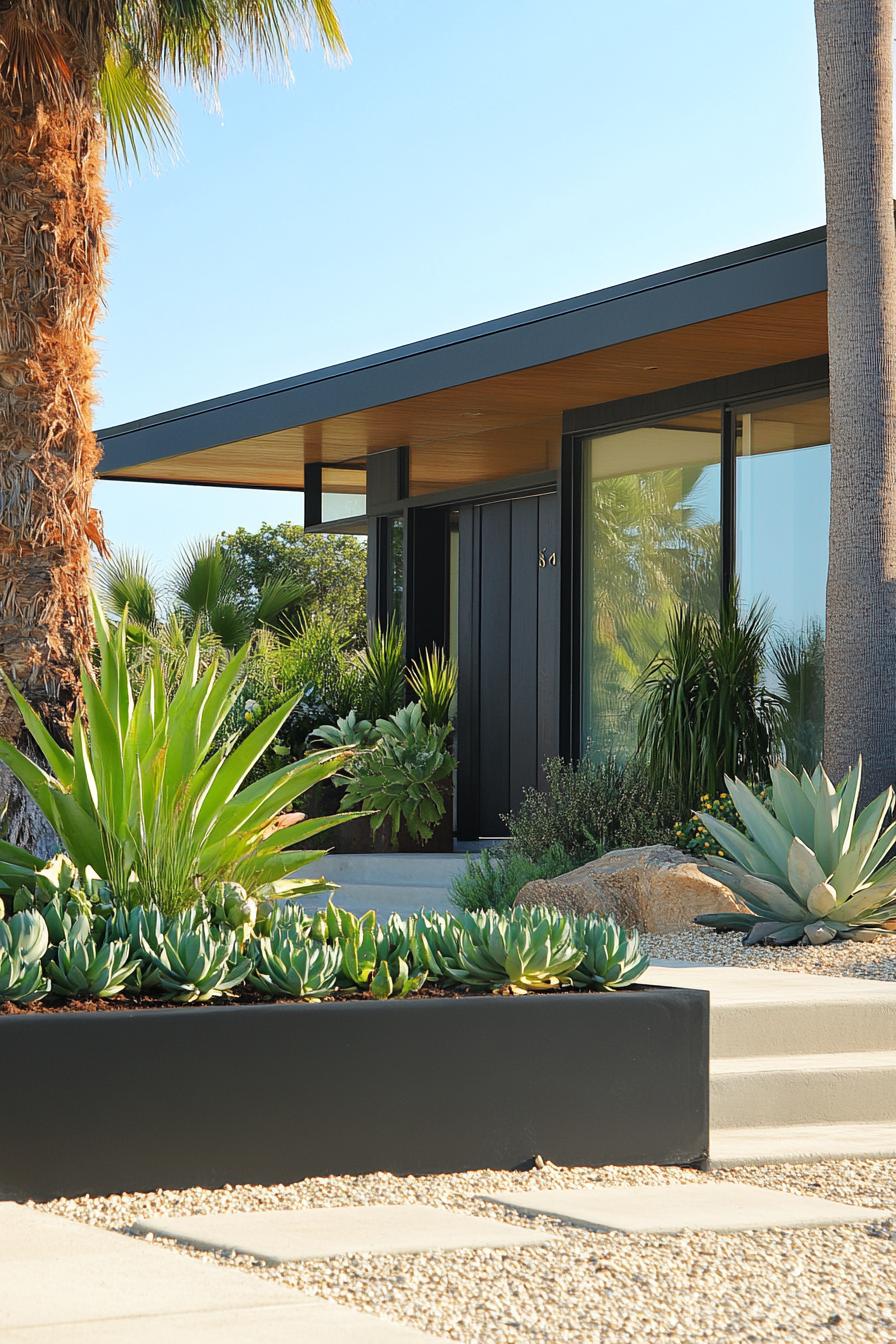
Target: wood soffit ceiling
x=478 y=421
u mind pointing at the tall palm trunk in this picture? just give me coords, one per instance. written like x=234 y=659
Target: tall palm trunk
x=855 y=68
x=53 y=212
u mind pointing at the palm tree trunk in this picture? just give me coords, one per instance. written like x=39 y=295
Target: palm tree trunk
x=53 y=213
x=855 y=70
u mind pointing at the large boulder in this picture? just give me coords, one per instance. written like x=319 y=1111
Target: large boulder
x=656 y=889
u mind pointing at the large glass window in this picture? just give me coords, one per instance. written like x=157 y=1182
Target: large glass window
x=651 y=540
x=782 y=514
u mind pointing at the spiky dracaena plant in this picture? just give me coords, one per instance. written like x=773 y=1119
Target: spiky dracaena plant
x=148 y=802
x=77 y=76
x=808 y=869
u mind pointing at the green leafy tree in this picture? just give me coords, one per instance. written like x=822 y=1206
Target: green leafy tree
x=331 y=569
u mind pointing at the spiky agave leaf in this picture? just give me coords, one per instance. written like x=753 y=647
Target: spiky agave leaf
x=838 y=886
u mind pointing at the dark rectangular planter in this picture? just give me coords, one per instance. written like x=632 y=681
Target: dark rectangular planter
x=162 y=1097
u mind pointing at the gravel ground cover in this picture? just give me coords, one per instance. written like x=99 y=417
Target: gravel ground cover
x=834 y=1284
x=869 y=961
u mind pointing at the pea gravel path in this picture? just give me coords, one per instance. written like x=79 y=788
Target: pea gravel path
x=830 y=1283
x=869 y=961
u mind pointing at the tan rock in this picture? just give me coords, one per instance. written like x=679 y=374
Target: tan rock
x=656 y=889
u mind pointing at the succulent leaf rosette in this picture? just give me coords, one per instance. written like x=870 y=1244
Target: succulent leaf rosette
x=811 y=868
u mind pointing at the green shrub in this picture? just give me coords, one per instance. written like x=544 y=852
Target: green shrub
x=807 y=869
x=693 y=837
x=492 y=879
x=587 y=807
x=147 y=803
x=707 y=712
x=401 y=779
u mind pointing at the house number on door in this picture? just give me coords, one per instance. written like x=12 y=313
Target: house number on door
x=545 y=559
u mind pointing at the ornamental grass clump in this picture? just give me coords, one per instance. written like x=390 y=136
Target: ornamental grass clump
x=808 y=869
x=148 y=802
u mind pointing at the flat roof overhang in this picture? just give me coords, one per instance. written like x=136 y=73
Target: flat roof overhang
x=499 y=381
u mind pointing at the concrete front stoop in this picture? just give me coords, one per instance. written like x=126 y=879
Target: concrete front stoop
x=387 y=883
x=802 y=1067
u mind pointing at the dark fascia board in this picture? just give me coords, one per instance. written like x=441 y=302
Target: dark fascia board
x=752 y=277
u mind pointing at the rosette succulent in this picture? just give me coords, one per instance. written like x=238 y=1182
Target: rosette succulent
x=393 y=979
x=81 y=967
x=283 y=967
x=529 y=949
x=612 y=957
x=811 y=867
x=194 y=961
x=23 y=942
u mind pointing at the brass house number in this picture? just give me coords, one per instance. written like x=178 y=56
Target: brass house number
x=545 y=559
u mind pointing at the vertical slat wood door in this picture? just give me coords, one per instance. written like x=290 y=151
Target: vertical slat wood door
x=508 y=656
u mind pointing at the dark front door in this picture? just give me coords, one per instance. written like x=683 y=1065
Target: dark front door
x=508 y=655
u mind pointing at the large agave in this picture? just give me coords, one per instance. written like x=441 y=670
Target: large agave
x=83 y=968
x=298 y=970
x=612 y=957
x=527 y=949
x=23 y=942
x=809 y=868
x=195 y=962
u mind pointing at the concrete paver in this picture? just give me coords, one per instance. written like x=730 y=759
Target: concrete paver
x=64 y=1280
x=721 y=1207
x=315 y=1234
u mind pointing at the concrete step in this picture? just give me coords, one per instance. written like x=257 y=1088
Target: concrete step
x=396 y=870
x=766 y=1090
x=756 y=1012
x=800 y=1143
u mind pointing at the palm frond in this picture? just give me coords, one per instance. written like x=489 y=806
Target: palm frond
x=138 y=116
x=125 y=581
x=203 y=576
x=280 y=602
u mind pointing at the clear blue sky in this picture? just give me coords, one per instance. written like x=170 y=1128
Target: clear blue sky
x=473 y=159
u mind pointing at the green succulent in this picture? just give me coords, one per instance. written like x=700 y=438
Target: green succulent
x=401 y=780
x=195 y=961
x=395 y=939
x=393 y=979
x=80 y=967
x=352 y=731
x=231 y=905
x=284 y=967
x=23 y=942
x=612 y=957
x=529 y=949
x=808 y=869
x=59 y=914
x=434 y=940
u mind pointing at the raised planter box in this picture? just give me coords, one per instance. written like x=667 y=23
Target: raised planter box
x=140 y=1099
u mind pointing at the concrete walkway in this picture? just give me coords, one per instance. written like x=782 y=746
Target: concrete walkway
x=802 y=1067
x=62 y=1280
